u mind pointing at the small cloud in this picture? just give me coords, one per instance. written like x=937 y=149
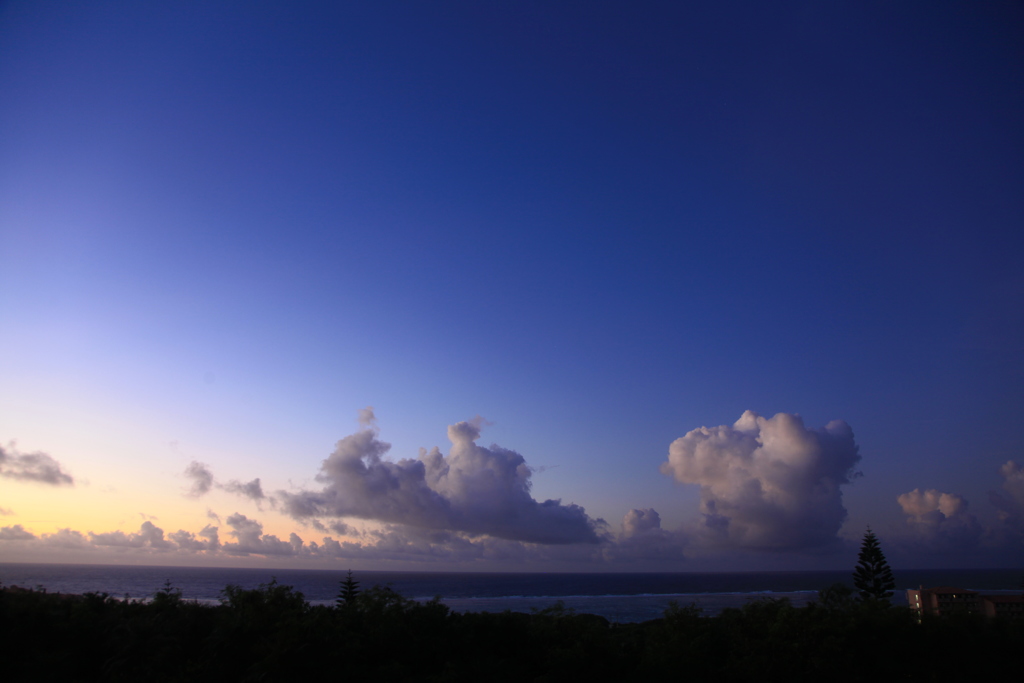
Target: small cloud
x=210 y=514
x=638 y=521
x=250 y=539
x=643 y=539
x=206 y=540
x=211 y=535
x=37 y=467
x=939 y=521
x=367 y=419
x=251 y=490
x=202 y=479
x=343 y=529
x=6 y=511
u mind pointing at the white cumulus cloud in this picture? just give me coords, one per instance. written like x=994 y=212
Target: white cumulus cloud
x=477 y=490
x=767 y=483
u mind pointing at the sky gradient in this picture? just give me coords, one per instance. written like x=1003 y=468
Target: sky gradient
x=628 y=286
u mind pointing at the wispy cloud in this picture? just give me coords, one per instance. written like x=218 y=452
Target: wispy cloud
x=36 y=467
x=202 y=479
x=251 y=490
x=366 y=418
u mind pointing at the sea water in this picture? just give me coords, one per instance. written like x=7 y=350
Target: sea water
x=619 y=597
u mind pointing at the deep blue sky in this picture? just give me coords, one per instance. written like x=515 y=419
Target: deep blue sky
x=226 y=227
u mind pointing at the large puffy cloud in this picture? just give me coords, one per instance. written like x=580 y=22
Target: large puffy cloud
x=939 y=521
x=767 y=483
x=477 y=490
x=37 y=467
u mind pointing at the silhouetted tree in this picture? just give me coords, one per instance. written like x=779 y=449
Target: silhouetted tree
x=349 y=591
x=836 y=598
x=872 y=576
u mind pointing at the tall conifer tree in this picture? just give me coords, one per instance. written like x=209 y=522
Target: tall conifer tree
x=872 y=576
x=349 y=591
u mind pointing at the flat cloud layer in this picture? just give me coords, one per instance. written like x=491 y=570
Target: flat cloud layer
x=767 y=483
x=16 y=533
x=476 y=490
x=147 y=535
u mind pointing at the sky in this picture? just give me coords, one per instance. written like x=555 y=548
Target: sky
x=512 y=286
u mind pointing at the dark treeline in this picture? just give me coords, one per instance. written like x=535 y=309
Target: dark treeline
x=272 y=634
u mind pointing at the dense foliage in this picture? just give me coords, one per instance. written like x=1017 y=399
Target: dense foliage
x=272 y=634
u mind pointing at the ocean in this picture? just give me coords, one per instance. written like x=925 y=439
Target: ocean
x=619 y=597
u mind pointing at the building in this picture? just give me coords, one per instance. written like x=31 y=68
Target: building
x=1008 y=606
x=947 y=600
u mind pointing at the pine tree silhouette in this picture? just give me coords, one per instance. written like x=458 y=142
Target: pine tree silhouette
x=349 y=591
x=872 y=576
